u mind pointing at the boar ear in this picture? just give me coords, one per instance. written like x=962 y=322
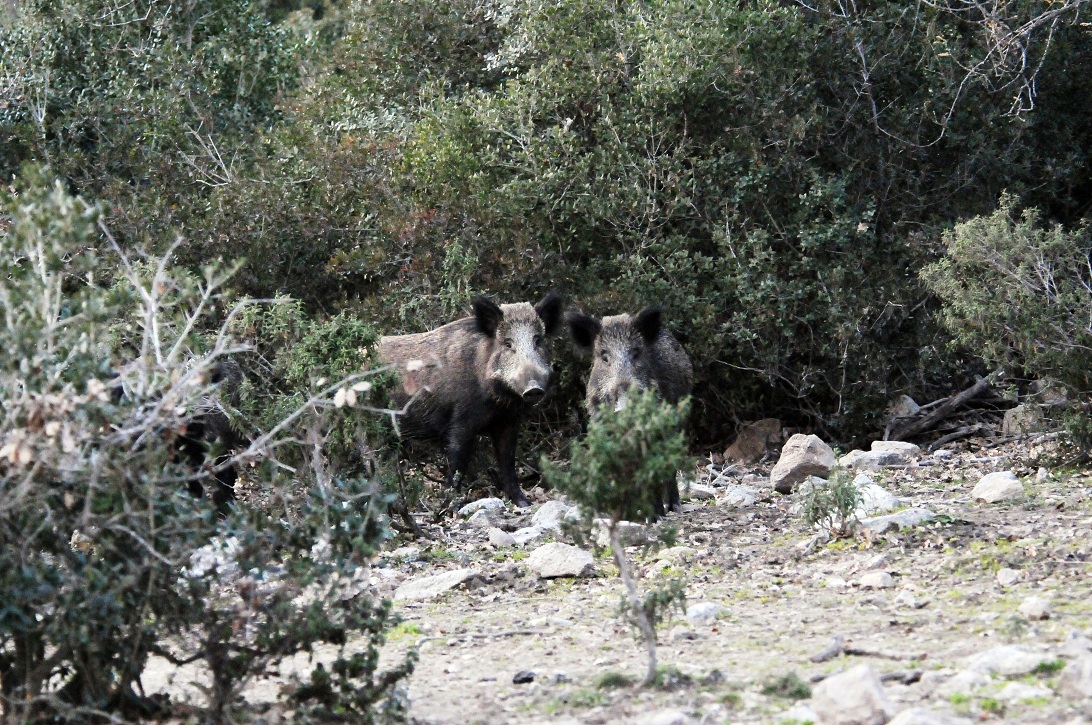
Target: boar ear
x=488 y=315
x=549 y=309
x=648 y=323
x=584 y=329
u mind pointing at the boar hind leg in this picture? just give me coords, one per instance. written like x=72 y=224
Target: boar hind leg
x=671 y=492
x=504 y=445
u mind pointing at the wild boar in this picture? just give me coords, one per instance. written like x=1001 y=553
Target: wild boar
x=633 y=352
x=473 y=376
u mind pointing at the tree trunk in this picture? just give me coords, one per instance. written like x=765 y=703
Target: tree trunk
x=640 y=616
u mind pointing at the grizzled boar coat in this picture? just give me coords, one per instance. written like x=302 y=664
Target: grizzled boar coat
x=633 y=352
x=475 y=376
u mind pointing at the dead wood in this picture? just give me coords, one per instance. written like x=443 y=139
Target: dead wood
x=901 y=429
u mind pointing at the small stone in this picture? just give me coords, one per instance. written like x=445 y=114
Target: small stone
x=631 y=533
x=432 y=586
x=700 y=492
x=501 y=539
x=902 y=520
x=482 y=504
x=964 y=683
x=1076 y=679
x=1007 y=577
x=737 y=497
x=922 y=716
x=480 y=518
x=1076 y=645
x=875 y=499
x=523 y=677
x=870 y=460
x=1021 y=420
x=1035 y=608
x=879 y=560
x=675 y=553
x=1008 y=660
x=906 y=598
x=551 y=561
x=405 y=553
x=704 y=612
x=551 y=514
x=853 y=697
x=836 y=583
x=680 y=633
x=1017 y=691
x=664 y=717
x=528 y=534
x=998 y=486
x=943 y=454
x=802 y=456
x=876 y=580
x=901 y=447
x=1042 y=475
x=801 y=712
x=755 y=441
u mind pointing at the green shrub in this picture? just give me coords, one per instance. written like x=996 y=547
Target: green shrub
x=833 y=504
x=105 y=559
x=618 y=471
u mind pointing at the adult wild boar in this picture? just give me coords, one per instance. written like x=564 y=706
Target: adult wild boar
x=633 y=352
x=476 y=375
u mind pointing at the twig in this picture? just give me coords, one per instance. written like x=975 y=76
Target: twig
x=924 y=423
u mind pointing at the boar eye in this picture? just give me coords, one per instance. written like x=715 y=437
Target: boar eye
x=604 y=356
x=538 y=340
x=508 y=343
x=635 y=353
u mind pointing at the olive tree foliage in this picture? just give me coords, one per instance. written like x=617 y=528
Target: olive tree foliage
x=105 y=559
x=618 y=471
x=1019 y=291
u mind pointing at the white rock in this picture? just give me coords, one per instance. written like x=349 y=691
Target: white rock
x=906 y=598
x=405 y=553
x=737 y=497
x=675 y=553
x=1076 y=645
x=631 y=533
x=901 y=520
x=554 y=560
x=1007 y=577
x=802 y=456
x=870 y=460
x=432 y=586
x=964 y=683
x=528 y=534
x=800 y=712
x=853 y=697
x=480 y=518
x=875 y=500
x=1042 y=475
x=901 y=447
x=1076 y=679
x=700 y=492
x=876 y=580
x=998 y=486
x=704 y=612
x=1008 y=660
x=664 y=717
x=482 y=504
x=501 y=539
x=551 y=514
x=1035 y=608
x=836 y=583
x=922 y=716
x=1016 y=691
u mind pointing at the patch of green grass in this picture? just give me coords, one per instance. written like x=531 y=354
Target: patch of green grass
x=992 y=705
x=668 y=677
x=613 y=681
x=519 y=555
x=788 y=686
x=1049 y=667
x=403 y=631
x=732 y=700
x=958 y=698
x=584 y=697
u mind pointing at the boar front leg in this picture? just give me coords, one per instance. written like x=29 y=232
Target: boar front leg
x=504 y=445
x=460 y=448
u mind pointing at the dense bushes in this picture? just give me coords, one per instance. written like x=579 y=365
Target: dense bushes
x=105 y=560
x=775 y=173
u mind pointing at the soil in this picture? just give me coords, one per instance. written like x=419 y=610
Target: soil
x=785 y=597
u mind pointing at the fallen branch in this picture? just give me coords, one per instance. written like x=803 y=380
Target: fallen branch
x=964 y=432
x=920 y=424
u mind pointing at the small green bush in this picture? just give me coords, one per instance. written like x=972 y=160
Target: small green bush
x=832 y=505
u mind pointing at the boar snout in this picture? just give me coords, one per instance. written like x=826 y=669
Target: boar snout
x=534 y=394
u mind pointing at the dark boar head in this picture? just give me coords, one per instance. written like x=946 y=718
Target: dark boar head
x=621 y=346
x=519 y=361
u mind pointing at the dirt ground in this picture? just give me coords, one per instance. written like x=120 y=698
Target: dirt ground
x=782 y=607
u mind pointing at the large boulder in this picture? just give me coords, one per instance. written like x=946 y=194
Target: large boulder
x=802 y=456
x=433 y=586
x=551 y=561
x=998 y=486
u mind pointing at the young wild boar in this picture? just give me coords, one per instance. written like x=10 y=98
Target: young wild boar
x=633 y=352
x=473 y=376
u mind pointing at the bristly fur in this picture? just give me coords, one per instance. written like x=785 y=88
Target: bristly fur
x=473 y=376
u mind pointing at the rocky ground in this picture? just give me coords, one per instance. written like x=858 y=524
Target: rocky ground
x=983 y=613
